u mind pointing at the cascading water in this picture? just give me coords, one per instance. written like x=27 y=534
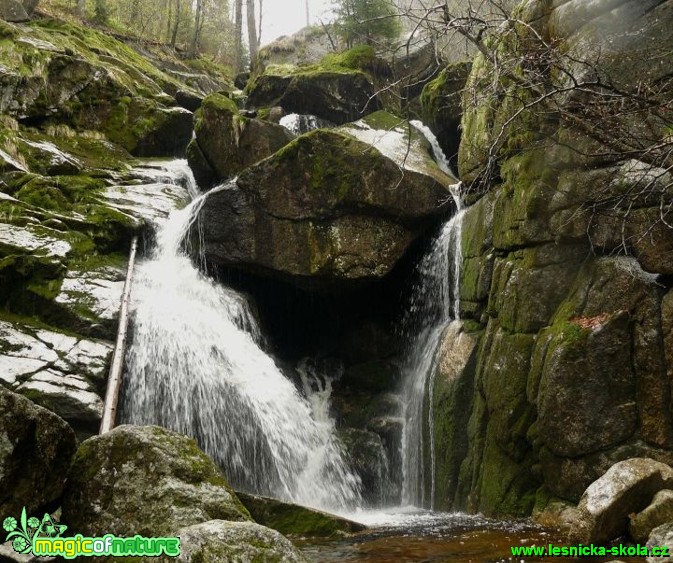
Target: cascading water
x=299 y=123
x=196 y=366
x=435 y=303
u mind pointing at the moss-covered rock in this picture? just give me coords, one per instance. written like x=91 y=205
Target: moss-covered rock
x=322 y=210
x=226 y=142
x=452 y=404
x=441 y=106
x=582 y=337
x=36 y=448
x=113 y=470
x=297 y=521
x=336 y=89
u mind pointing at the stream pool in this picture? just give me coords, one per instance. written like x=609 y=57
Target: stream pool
x=431 y=537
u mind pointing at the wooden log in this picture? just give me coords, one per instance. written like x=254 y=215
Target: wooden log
x=115 y=376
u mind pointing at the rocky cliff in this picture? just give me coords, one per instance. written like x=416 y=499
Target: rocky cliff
x=568 y=255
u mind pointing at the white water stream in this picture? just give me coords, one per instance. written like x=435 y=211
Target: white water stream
x=435 y=303
x=196 y=366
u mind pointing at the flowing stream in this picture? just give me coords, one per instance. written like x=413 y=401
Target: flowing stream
x=197 y=366
x=435 y=303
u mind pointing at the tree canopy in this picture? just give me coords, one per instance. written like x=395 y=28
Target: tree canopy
x=367 y=21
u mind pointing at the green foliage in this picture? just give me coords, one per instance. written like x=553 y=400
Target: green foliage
x=367 y=21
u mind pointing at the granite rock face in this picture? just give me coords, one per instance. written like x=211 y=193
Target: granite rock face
x=567 y=262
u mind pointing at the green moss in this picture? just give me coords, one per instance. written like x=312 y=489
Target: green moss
x=360 y=57
x=295 y=521
x=218 y=102
x=41 y=193
x=385 y=121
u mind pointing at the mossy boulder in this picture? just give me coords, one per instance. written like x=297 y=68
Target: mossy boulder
x=326 y=208
x=220 y=540
x=107 y=490
x=297 y=521
x=63 y=74
x=336 y=89
x=36 y=448
x=227 y=142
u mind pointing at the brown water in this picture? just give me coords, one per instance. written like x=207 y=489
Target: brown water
x=435 y=538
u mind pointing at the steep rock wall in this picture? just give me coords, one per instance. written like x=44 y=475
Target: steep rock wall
x=567 y=256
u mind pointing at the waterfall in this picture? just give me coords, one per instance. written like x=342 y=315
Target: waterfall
x=196 y=365
x=299 y=124
x=434 y=304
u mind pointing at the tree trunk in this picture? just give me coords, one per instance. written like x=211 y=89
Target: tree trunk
x=259 y=23
x=198 y=26
x=253 y=42
x=81 y=8
x=176 y=27
x=238 y=36
x=169 y=21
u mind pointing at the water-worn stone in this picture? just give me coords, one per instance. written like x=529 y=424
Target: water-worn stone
x=62 y=373
x=659 y=512
x=219 y=540
x=36 y=448
x=627 y=487
x=108 y=491
x=452 y=397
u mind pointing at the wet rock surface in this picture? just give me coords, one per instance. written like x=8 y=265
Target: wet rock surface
x=564 y=276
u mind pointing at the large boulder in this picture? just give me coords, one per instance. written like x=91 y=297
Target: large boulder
x=227 y=142
x=626 y=488
x=337 y=94
x=147 y=481
x=36 y=448
x=219 y=540
x=60 y=74
x=332 y=206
